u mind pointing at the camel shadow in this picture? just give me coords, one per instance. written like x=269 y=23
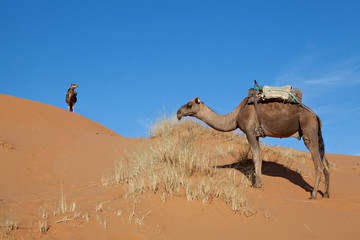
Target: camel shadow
x=272 y=169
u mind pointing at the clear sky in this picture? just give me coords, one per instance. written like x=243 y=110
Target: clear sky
x=134 y=60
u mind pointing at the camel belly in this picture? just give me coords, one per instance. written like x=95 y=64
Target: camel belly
x=271 y=133
x=280 y=120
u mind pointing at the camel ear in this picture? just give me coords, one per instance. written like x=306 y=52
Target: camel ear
x=197 y=100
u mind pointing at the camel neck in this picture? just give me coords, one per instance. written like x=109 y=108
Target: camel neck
x=224 y=123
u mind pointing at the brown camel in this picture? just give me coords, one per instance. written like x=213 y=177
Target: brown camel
x=279 y=120
x=71 y=97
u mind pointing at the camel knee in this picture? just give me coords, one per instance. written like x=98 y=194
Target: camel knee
x=307 y=142
x=318 y=171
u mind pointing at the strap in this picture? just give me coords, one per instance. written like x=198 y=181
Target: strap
x=261 y=130
x=295 y=99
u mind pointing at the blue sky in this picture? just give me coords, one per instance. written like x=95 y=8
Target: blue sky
x=135 y=60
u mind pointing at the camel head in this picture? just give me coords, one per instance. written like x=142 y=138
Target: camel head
x=73 y=86
x=190 y=109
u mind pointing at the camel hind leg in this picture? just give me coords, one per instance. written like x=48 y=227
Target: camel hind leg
x=327 y=177
x=313 y=147
x=324 y=161
x=312 y=136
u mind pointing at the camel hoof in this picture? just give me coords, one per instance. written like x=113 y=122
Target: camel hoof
x=257 y=185
x=326 y=195
x=312 y=198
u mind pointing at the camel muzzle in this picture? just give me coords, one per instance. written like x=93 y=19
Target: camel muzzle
x=179 y=114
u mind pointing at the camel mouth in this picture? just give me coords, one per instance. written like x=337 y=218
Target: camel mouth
x=179 y=115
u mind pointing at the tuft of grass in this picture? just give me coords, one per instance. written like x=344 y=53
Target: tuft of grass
x=99 y=207
x=333 y=166
x=102 y=222
x=235 y=194
x=163 y=126
x=86 y=216
x=118 y=213
x=106 y=180
x=62 y=206
x=8 y=222
x=43 y=225
x=140 y=221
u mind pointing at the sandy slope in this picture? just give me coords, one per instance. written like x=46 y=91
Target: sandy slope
x=46 y=151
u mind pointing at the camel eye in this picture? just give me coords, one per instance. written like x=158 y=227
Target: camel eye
x=189 y=105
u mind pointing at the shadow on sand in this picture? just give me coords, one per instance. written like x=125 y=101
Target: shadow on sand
x=272 y=169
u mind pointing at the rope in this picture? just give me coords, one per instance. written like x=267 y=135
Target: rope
x=295 y=99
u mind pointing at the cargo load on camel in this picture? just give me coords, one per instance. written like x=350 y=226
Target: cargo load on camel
x=285 y=94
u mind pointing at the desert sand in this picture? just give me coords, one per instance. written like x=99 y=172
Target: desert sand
x=50 y=156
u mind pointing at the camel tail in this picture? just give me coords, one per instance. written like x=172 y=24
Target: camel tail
x=322 y=145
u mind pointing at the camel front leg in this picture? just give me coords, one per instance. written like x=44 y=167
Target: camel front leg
x=255 y=149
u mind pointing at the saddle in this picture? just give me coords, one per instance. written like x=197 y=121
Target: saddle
x=264 y=94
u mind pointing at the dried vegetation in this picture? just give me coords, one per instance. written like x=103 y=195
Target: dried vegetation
x=179 y=161
x=191 y=160
x=7 y=221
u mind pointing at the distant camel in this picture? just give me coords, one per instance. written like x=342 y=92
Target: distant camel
x=71 y=97
x=279 y=120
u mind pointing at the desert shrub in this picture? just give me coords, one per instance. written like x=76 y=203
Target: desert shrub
x=178 y=163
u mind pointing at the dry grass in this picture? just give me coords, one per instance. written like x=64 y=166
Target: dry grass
x=61 y=206
x=177 y=163
x=8 y=222
x=101 y=221
x=43 y=225
x=64 y=209
x=86 y=216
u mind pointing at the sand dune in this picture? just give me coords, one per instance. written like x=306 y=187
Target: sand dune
x=47 y=153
